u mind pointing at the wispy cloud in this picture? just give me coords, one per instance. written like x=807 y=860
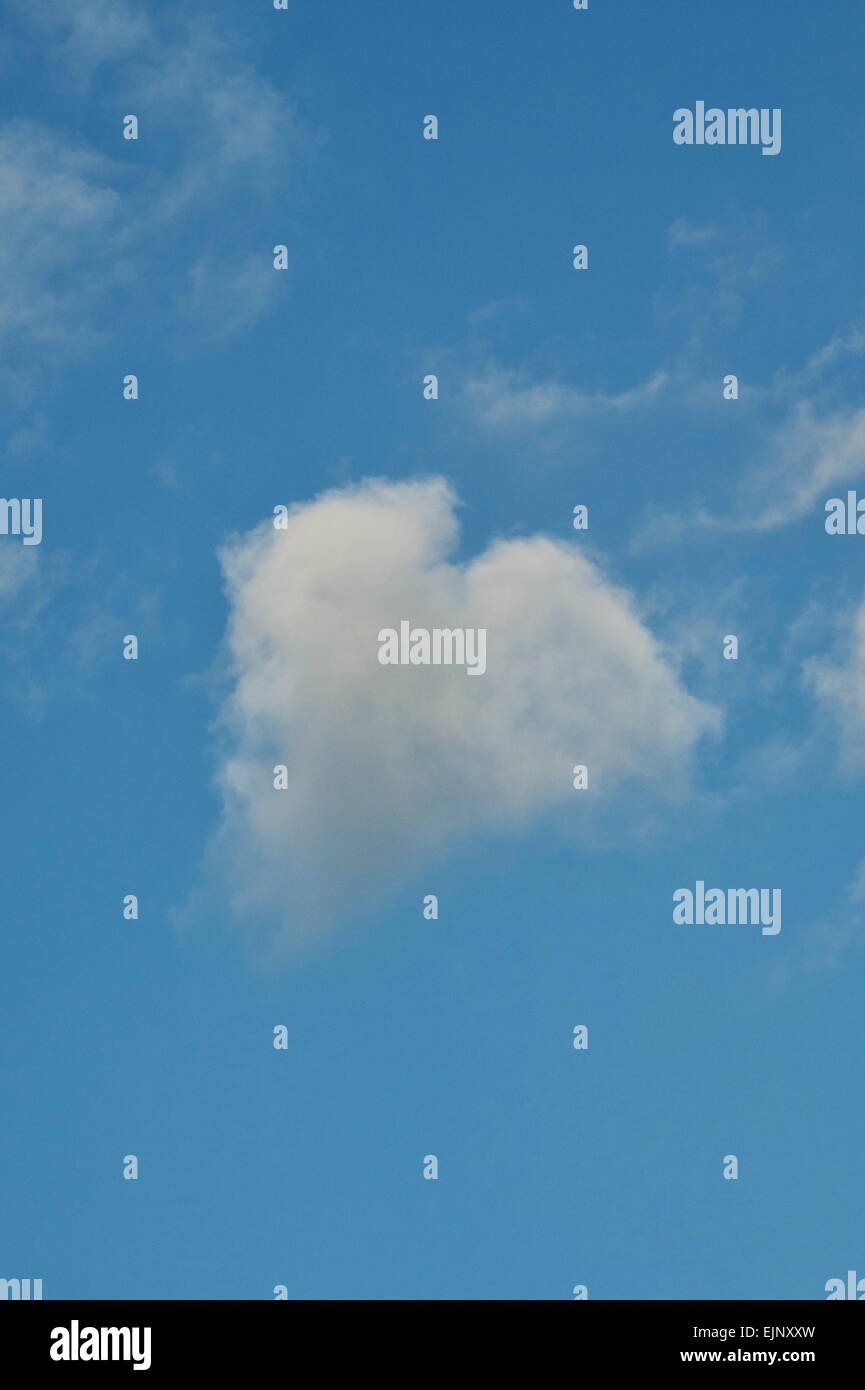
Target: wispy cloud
x=80 y=230
x=825 y=944
x=713 y=268
x=838 y=683
x=805 y=448
x=808 y=455
x=59 y=213
x=503 y=397
x=84 y=35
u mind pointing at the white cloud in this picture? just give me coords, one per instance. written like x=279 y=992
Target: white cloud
x=57 y=213
x=388 y=766
x=841 y=346
x=685 y=233
x=715 y=268
x=827 y=943
x=19 y=574
x=504 y=397
x=839 y=685
x=78 y=230
x=813 y=454
x=806 y=459
x=85 y=34
x=234 y=130
x=225 y=296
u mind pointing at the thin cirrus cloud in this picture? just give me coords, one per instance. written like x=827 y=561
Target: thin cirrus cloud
x=215 y=135
x=52 y=287
x=85 y=34
x=807 y=458
x=390 y=766
x=801 y=445
x=502 y=397
x=838 y=684
x=808 y=450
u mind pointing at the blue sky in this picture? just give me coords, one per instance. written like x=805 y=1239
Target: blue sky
x=303 y=1167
